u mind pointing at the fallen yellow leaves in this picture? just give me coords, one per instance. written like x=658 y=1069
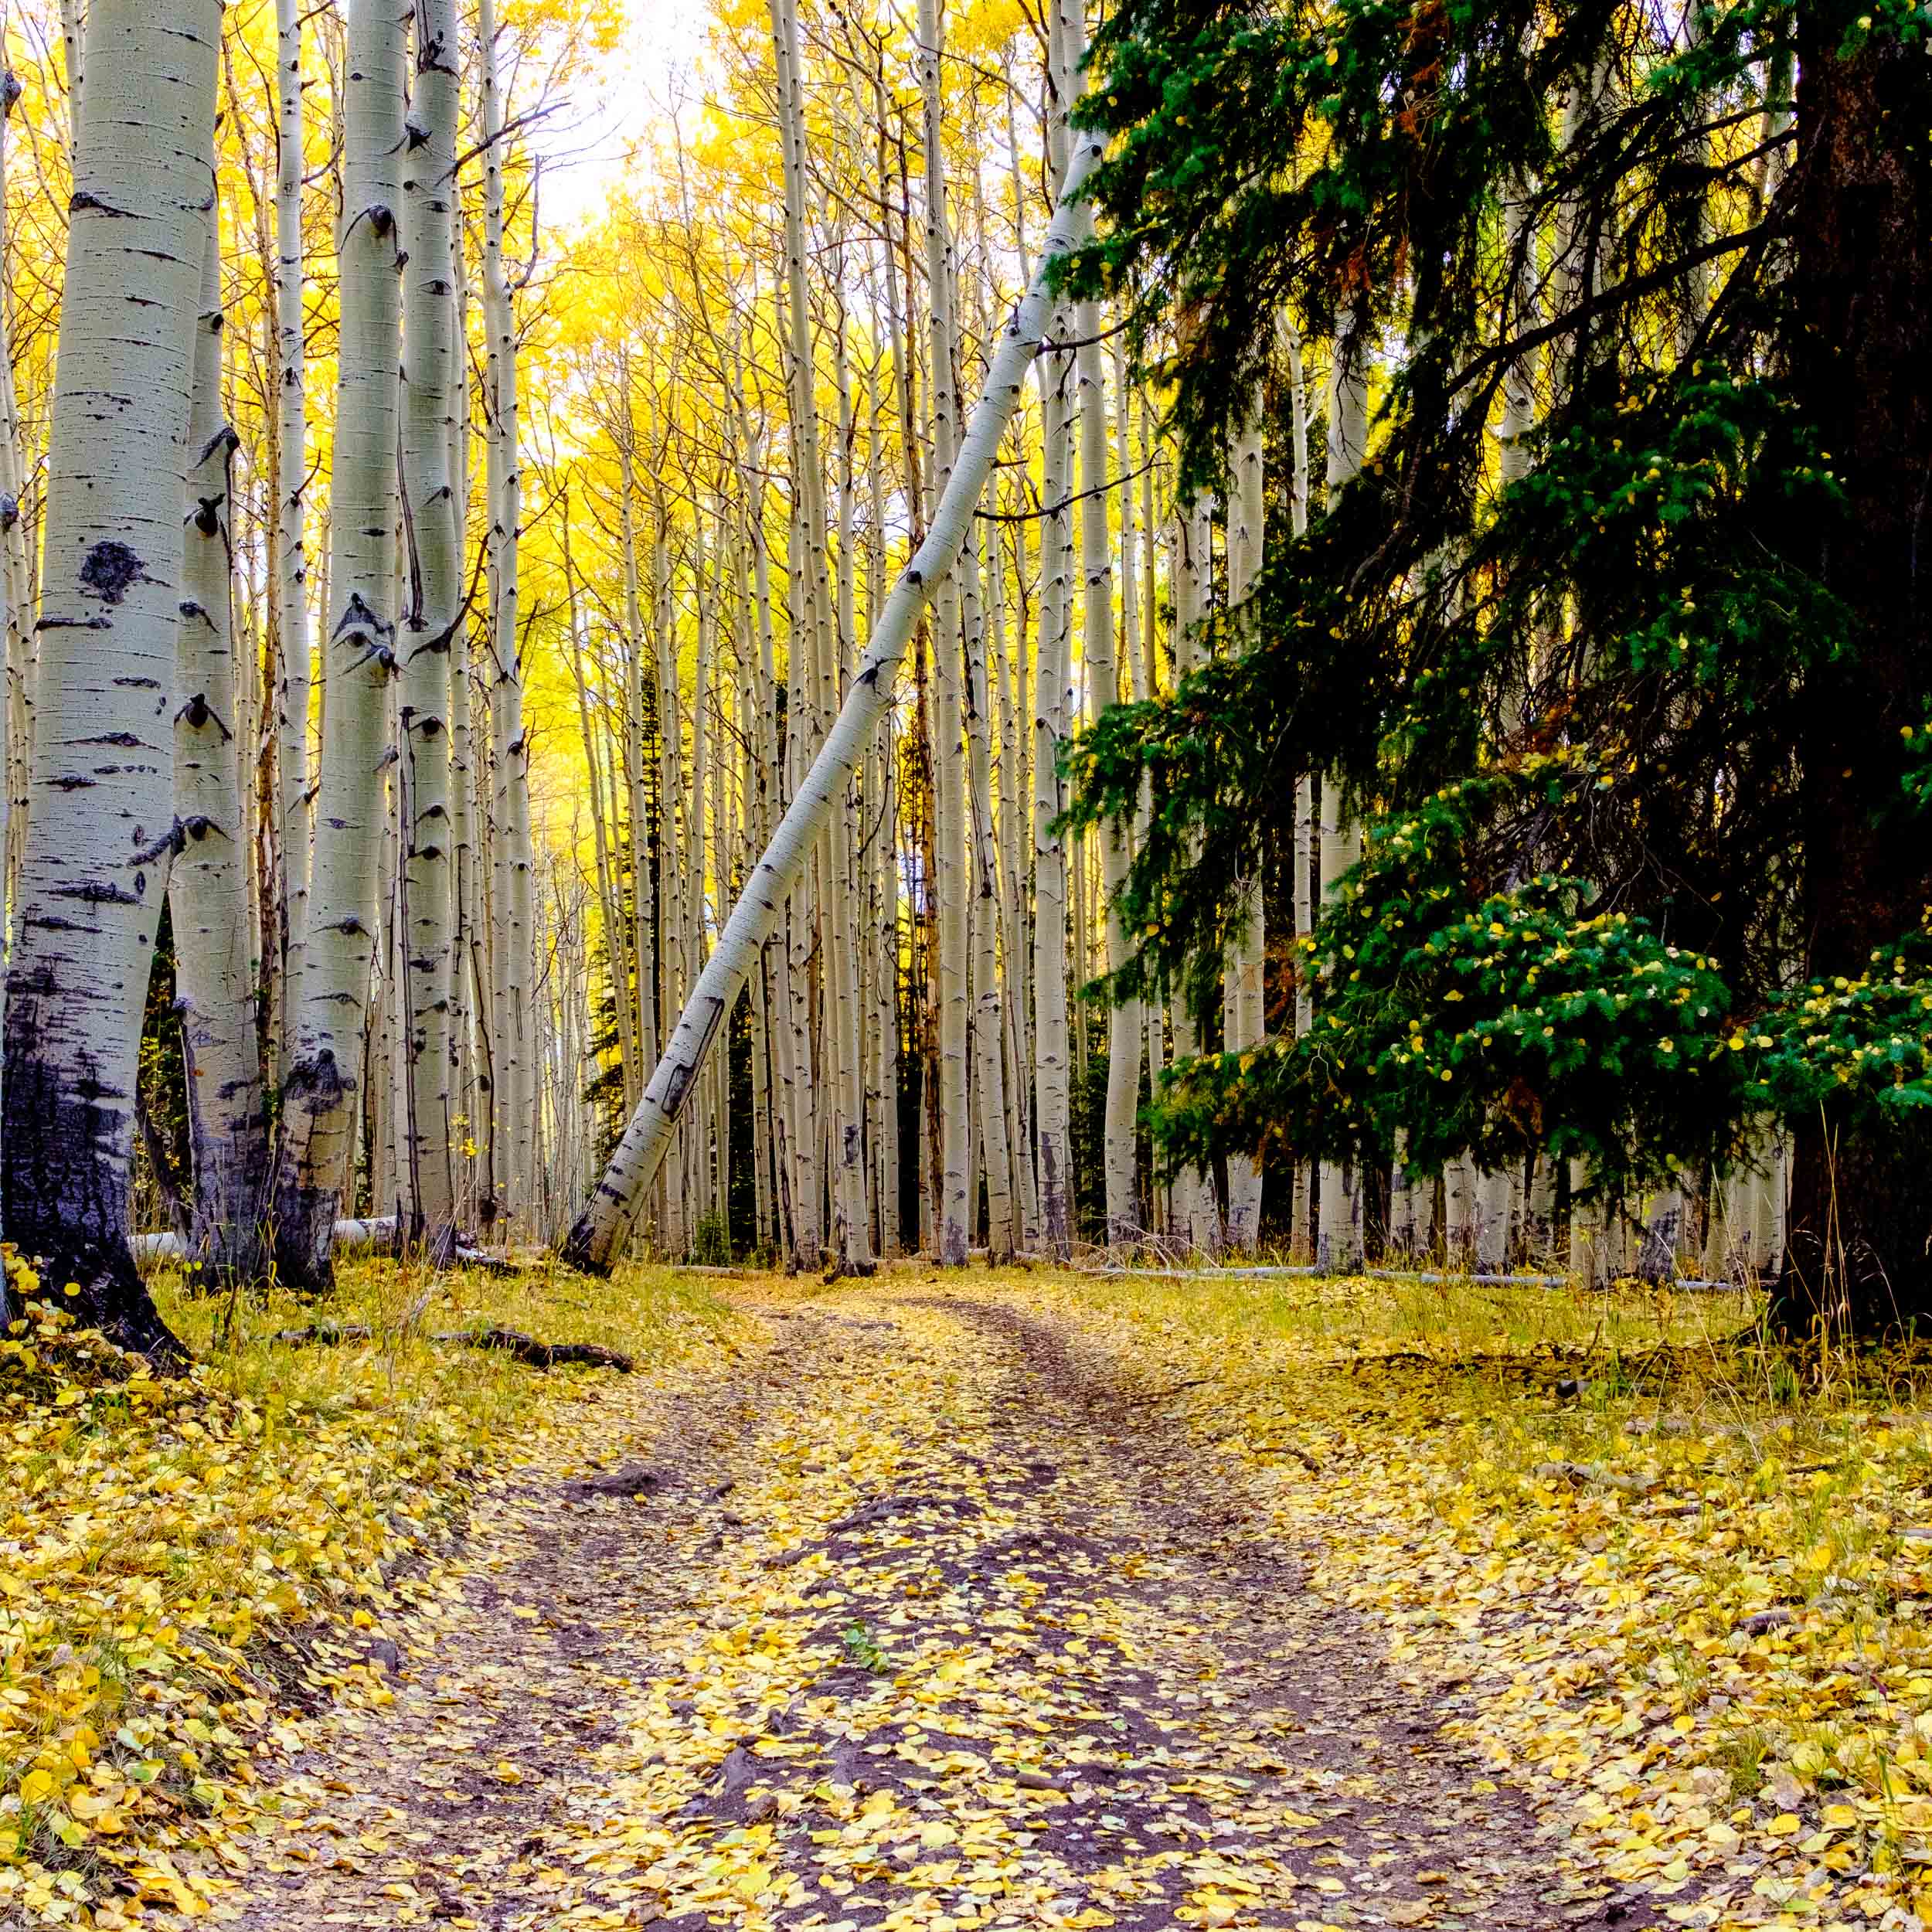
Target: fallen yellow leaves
x=171 y=1554
x=1692 y=1618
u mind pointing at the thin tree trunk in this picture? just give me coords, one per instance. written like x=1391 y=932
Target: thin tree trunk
x=319 y=1102
x=1244 y=1006
x=434 y=613
x=208 y=890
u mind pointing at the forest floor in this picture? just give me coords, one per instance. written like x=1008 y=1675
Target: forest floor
x=1026 y=1601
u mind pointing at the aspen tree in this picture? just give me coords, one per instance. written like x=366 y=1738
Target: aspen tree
x=319 y=1103
x=464 y=992
x=102 y=826
x=73 y=49
x=1127 y=1028
x=1013 y=998
x=1052 y=676
x=1244 y=1006
x=1197 y=1206
x=433 y=613
x=208 y=890
x=596 y=1236
x=643 y=939
x=953 y=1227
x=1338 y=1244
x=292 y=552
x=513 y=1041
x=16 y=574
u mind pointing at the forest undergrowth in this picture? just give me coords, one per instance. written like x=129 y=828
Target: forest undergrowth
x=1666 y=1581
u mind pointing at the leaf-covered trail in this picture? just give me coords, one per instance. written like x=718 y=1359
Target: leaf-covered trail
x=917 y=1620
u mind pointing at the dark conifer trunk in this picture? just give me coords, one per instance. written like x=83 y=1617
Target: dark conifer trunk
x=1861 y=1214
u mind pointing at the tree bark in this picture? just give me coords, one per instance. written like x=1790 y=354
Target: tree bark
x=103 y=828
x=319 y=1098
x=214 y=958
x=1858 y=1241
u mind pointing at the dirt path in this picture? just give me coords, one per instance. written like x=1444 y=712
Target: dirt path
x=920 y=1622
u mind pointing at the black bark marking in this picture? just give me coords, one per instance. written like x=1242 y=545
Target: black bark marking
x=111 y=570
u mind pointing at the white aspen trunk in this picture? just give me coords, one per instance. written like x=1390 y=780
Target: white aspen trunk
x=1196 y=1203
x=845 y=1127
x=1339 y=1237
x=1103 y=689
x=17 y=582
x=513 y=1043
x=949 y=835
x=643 y=911
x=988 y=1044
x=463 y=992
x=431 y=1132
x=1053 y=1104
x=1127 y=1032
x=1244 y=1006
x=102 y=828
x=319 y=1096
x=1462 y=1214
x=1492 y=1222
x=72 y=47
x=208 y=888
x=292 y=552
x=597 y=1234
x=1012 y=821
x=1301 y=1181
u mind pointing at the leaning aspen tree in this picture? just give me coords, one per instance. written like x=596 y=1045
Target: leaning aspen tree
x=102 y=828
x=320 y=1096
x=291 y=554
x=430 y=1135
x=597 y=1237
x=208 y=890
x=1244 y=1004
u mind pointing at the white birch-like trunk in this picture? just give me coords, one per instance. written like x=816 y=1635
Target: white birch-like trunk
x=1244 y=1006
x=596 y=1236
x=431 y=1132
x=953 y=1220
x=1339 y=1238
x=514 y=1041
x=319 y=1099
x=1196 y=1205
x=208 y=890
x=291 y=552
x=102 y=828
x=1103 y=689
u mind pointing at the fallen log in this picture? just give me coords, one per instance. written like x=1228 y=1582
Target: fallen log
x=540 y=1355
x=525 y=1348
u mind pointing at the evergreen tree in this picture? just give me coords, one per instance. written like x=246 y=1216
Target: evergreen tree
x=1637 y=716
